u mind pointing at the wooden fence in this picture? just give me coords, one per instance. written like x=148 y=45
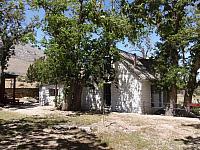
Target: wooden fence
x=23 y=92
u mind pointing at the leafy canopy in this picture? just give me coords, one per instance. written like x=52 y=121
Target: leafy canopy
x=83 y=37
x=13 y=28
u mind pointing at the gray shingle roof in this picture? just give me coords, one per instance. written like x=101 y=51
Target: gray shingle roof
x=138 y=66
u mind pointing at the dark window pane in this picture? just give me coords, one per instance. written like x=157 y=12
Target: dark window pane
x=52 y=92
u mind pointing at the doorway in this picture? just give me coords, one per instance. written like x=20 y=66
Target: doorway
x=107 y=94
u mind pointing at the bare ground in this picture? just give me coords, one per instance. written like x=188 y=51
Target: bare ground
x=118 y=130
x=150 y=131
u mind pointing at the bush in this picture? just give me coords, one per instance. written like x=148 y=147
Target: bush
x=196 y=110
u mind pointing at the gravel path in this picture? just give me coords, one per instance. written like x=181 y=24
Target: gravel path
x=34 y=109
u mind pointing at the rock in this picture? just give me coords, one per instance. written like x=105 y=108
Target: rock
x=47 y=130
x=19 y=137
x=64 y=127
x=85 y=129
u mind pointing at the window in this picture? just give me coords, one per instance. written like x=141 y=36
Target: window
x=107 y=93
x=53 y=92
x=156 y=97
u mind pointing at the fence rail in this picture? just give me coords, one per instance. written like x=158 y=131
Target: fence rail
x=23 y=92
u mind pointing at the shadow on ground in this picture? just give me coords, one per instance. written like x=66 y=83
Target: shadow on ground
x=38 y=133
x=196 y=126
x=22 y=106
x=191 y=143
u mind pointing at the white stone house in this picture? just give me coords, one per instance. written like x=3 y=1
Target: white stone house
x=132 y=91
x=47 y=94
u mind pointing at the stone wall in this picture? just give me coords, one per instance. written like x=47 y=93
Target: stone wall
x=128 y=93
x=23 y=92
x=126 y=96
x=45 y=98
x=92 y=99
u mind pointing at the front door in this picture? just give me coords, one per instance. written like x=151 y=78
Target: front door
x=107 y=93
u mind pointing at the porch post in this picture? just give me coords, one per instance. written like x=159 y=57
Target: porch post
x=2 y=87
x=14 y=86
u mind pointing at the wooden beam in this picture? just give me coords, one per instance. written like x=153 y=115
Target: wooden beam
x=14 y=87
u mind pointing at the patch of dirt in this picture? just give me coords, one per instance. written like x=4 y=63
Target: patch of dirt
x=165 y=126
x=161 y=131
x=30 y=108
x=24 y=134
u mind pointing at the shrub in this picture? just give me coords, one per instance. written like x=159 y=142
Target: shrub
x=196 y=110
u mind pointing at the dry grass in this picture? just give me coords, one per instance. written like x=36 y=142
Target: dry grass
x=121 y=140
x=138 y=141
x=147 y=132
x=78 y=120
x=85 y=119
x=127 y=131
x=39 y=132
x=7 y=115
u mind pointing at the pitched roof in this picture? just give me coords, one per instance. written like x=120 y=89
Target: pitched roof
x=139 y=66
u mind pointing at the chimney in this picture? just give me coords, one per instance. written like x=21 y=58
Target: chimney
x=134 y=59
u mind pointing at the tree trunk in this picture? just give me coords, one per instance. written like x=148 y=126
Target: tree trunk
x=72 y=98
x=192 y=84
x=56 y=95
x=77 y=96
x=188 y=98
x=67 y=102
x=172 y=101
x=174 y=61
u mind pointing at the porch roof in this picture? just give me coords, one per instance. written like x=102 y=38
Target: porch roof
x=10 y=76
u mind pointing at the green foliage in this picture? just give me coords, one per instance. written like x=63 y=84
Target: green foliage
x=82 y=34
x=40 y=71
x=196 y=111
x=82 y=42
x=170 y=24
x=13 y=28
x=177 y=56
x=30 y=75
x=173 y=22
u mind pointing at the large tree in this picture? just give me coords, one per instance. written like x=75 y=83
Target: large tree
x=13 y=29
x=191 y=59
x=83 y=37
x=83 y=33
x=168 y=18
